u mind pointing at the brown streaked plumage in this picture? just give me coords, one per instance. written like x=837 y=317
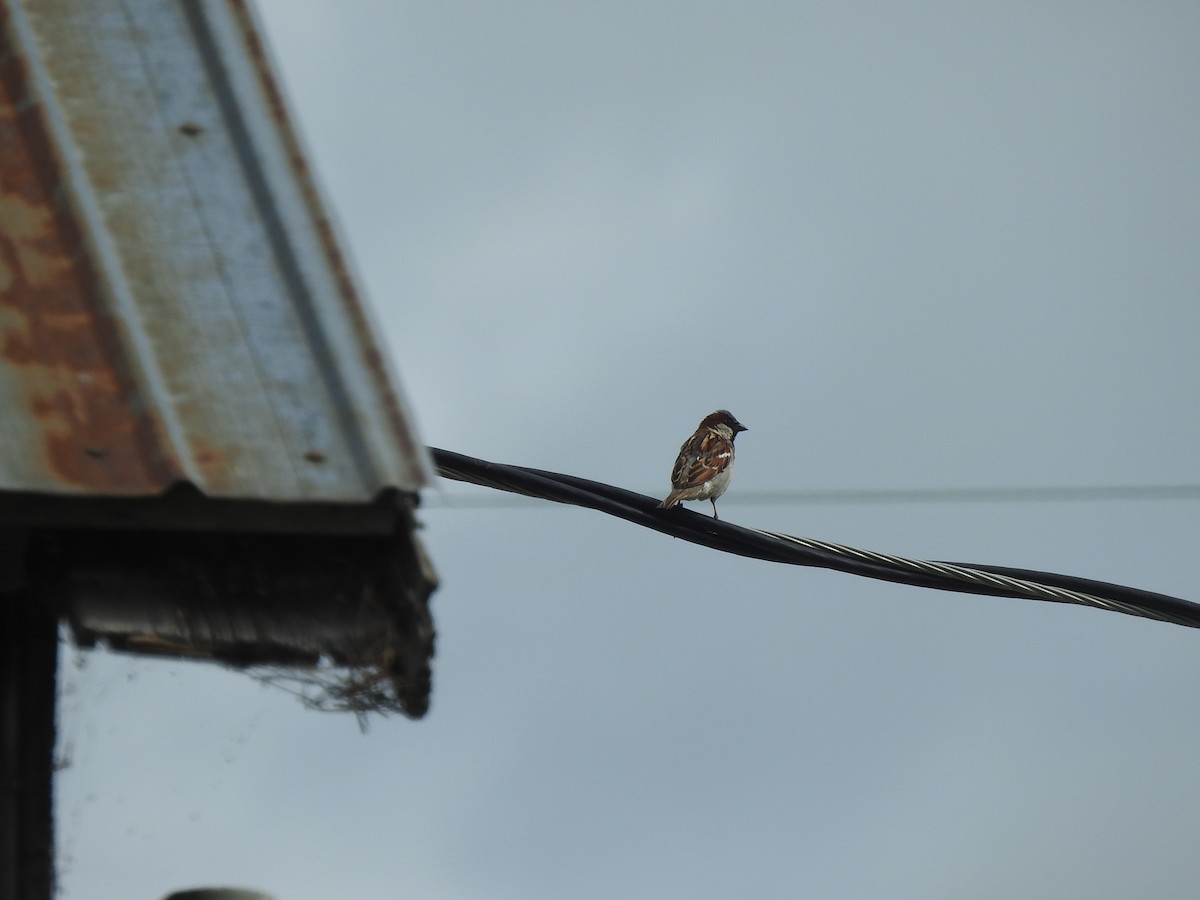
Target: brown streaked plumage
x=705 y=461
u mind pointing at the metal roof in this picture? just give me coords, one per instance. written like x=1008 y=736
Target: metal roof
x=174 y=306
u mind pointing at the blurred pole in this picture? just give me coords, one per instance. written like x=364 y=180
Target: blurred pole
x=28 y=660
x=218 y=894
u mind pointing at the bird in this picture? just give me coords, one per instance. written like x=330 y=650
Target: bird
x=705 y=461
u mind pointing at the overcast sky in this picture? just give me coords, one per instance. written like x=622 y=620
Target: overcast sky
x=909 y=245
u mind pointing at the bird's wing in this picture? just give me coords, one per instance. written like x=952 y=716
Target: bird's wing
x=702 y=457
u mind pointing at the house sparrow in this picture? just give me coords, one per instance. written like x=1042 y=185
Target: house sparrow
x=705 y=461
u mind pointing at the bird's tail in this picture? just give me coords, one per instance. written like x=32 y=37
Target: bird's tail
x=672 y=499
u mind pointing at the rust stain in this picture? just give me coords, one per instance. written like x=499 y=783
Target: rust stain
x=55 y=333
x=216 y=464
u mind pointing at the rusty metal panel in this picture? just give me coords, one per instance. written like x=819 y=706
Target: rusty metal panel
x=174 y=305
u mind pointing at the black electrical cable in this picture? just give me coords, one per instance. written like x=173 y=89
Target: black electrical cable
x=997 y=581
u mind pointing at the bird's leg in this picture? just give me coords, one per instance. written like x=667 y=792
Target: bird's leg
x=714 y=503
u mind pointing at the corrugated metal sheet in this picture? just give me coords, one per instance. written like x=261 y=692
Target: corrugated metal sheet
x=174 y=306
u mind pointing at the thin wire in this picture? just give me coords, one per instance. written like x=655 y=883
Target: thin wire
x=839 y=497
x=776 y=546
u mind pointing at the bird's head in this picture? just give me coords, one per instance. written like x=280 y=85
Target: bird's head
x=723 y=419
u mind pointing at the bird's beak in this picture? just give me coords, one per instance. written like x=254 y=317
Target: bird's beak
x=738 y=426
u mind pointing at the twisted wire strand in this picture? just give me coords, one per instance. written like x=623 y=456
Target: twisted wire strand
x=774 y=546
x=1024 y=587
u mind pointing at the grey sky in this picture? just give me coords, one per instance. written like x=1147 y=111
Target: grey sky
x=909 y=245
